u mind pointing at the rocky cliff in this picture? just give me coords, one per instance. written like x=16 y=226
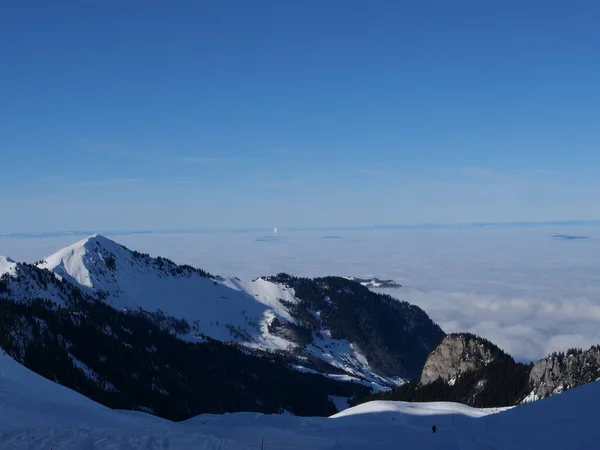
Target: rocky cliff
x=467 y=369
x=458 y=354
x=563 y=371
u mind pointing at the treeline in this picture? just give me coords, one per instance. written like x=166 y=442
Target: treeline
x=395 y=336
x=503 y=382
x=126 y=360
x=166 y=264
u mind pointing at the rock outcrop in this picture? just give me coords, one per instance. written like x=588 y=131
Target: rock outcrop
x=458 y=354
x=560 y=372
x=469 y=369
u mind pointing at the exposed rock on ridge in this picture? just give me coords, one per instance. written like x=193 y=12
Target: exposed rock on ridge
x=458 y=354
x=563 y=371
x=471 y=370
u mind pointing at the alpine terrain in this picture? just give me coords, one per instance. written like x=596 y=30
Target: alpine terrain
x=137 y=332
x=472 y=370
x=37 y=413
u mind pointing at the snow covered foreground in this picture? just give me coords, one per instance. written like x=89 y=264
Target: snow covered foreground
x=36 y=413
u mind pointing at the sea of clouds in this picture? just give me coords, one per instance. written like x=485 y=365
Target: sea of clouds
x=528 y=292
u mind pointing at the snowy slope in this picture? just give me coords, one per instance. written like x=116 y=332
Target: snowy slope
x=30 y=400
x=131 y=280
x=24 y=282
x=419 y=412
x=37 y=413
x=7 y=266
x=225 y=309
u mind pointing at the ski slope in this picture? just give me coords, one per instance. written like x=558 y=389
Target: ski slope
x=36 y=413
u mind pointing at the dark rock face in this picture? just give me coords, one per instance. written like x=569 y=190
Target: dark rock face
x=394 y=336
x=563 y=371
x=471 y=370
x=466 y=369
x=290 y=331
x=458 y=354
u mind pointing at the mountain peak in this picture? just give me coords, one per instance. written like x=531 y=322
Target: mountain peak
x=77 y=261
x=101 y=264
x=98 y=239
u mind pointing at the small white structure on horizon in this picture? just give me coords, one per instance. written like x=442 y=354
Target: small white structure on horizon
x=275 y=230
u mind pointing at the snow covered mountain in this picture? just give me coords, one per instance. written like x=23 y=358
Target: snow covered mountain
x=25 y=282
x=264 y=314
x=136 y=332
x=133 y=359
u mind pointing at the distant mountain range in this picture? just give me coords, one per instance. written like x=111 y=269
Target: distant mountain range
x=375 y=282
x=418 y=226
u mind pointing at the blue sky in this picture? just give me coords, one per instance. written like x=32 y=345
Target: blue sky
x=153 y=115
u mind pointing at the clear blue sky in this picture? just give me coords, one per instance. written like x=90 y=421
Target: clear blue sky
x=155 y=114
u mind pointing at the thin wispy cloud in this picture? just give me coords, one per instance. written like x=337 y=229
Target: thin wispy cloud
x=204 y=159
x=106 y=182
x=278 y=184
x=282 y=151
x=486 y=175
x=119 y=149
x=194 y=159
x=371 y=172
x=100 y=146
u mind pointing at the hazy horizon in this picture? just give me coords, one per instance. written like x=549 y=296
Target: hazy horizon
x=525 y=291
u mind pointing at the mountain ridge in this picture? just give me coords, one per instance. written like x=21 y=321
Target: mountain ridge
x=261 y=314
x=96 y=297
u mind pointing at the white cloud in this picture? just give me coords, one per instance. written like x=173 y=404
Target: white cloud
x=521 y=289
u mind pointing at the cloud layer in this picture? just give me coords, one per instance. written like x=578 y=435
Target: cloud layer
x=523 y=290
